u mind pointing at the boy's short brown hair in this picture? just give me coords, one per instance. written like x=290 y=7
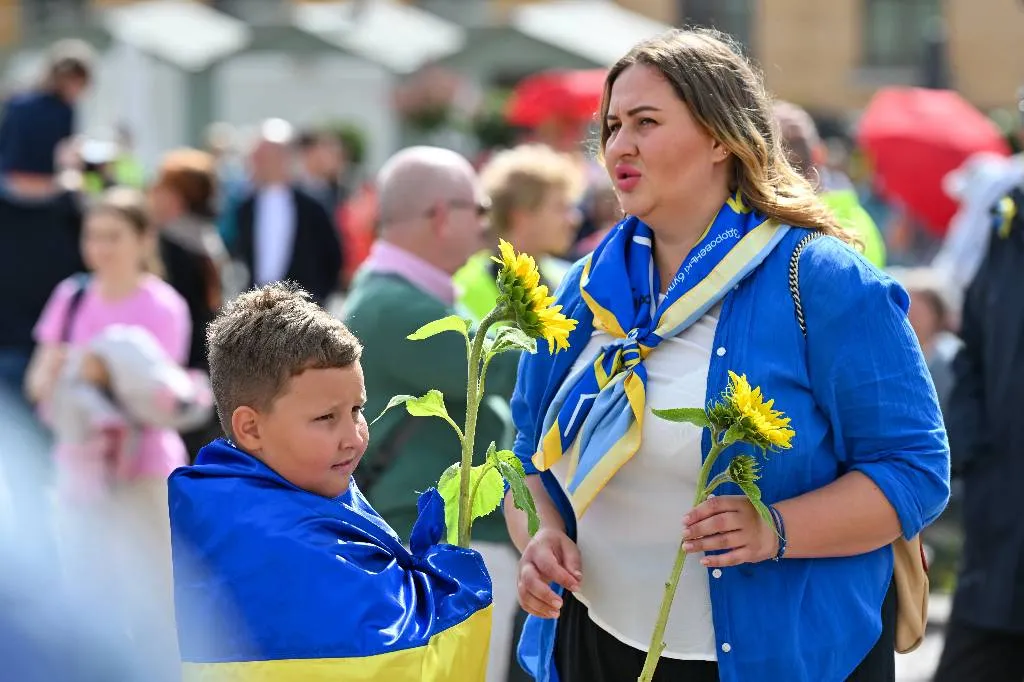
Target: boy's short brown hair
x=266 y=336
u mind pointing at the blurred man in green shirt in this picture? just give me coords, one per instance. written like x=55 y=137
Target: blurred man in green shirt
x=807 y=152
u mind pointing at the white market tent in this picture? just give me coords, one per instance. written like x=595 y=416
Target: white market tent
x=599 y=30
x=400 y=37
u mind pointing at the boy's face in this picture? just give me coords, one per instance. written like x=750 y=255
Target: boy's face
x=314 y=433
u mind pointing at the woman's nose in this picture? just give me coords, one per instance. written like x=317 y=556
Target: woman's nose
x=619 y=145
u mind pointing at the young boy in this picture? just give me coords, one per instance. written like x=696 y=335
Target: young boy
x=282 y=570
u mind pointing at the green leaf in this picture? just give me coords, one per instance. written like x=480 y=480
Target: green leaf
x=448 y=488
x=733 y=435
x=510 y=337
x=484 y=481
x=511 y=470
x=430 y=404
x=489 y=490
x=753 y=494
x=394 y=402
x=452 y=323
x=445 y=482
x=691 y=415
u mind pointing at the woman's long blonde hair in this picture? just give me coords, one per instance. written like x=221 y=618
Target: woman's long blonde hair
x=727 y=97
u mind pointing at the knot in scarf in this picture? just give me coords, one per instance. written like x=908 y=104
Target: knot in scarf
x=597 y=414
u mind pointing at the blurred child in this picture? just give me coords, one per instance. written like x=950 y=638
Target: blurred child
x=111 y=489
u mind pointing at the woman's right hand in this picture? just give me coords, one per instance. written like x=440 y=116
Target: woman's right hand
x=550 y=557
x=44 y=371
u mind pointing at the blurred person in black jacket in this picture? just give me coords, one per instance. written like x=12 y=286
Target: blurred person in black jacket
x=182 y=203
x=284 y=233
x=34 y=122
x=985 y=636
x=322 y=163
x=39 y=220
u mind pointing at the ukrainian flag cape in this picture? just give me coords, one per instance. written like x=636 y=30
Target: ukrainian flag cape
x=597 y=415
x=276 y=583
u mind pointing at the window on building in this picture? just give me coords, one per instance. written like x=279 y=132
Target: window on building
x=894 y=31
x=729 y=16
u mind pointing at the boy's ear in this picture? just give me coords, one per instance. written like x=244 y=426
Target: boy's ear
x=245 y=425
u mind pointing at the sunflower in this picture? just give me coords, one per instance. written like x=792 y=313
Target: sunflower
x=743 y=470
x=744 y=408
x=527 y=301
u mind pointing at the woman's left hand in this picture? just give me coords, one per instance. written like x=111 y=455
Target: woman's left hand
x=729 y=522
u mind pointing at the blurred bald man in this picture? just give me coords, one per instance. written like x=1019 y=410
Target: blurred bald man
x=809 y=155
x=283 y=232
x=432 y=219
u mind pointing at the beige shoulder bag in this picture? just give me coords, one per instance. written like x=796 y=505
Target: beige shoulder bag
x=910 y=569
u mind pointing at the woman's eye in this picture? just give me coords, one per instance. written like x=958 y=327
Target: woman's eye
x=614 y=127
x=325 y=417
x=647 y=121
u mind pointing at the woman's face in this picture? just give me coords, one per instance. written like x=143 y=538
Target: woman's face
x=554 y=222
x=659 y=158
x=111 y=245
x=164 y=204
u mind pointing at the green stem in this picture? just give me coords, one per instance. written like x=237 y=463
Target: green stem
x=657 y=645
x=483 y=374
x=469 y=438
x=718 y=480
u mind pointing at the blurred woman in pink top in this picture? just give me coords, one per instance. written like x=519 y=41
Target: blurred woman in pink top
x=115 y=529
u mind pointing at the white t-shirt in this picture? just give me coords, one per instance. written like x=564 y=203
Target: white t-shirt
x=629 y=536
x=274 y=234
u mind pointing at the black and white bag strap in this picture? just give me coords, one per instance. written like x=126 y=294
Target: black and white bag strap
x=794 y=277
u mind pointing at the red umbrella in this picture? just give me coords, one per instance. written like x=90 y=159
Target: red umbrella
x=564 y=95
x=914 y=137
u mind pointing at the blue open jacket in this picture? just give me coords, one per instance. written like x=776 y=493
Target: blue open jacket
x=860 y=398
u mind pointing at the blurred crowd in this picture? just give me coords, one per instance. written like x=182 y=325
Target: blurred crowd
x=112 y=274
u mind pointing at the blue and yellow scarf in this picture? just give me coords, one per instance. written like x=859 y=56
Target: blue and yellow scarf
x=597 y=415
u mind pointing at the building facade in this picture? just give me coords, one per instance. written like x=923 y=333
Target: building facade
x=831 y=56
x=828 y=55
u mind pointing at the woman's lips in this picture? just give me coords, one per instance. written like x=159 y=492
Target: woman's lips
x=626 y=177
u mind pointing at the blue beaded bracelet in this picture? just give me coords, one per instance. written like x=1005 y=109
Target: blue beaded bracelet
x=780 y=528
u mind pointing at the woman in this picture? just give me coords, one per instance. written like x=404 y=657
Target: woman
x=113 y=494
x=182 y=204
x=533 y=190
x=688 y=137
